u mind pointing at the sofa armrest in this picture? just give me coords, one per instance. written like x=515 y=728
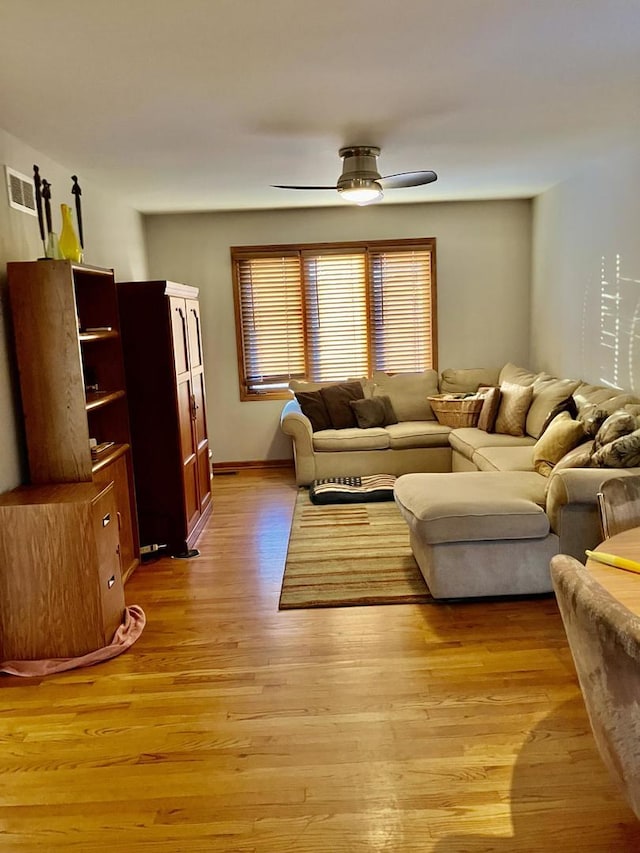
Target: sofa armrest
x=571 y=486
x=298 y=426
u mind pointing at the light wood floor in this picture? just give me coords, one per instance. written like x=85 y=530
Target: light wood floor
x=233 y=727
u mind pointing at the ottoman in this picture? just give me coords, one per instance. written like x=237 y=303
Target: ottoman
x=477 y=534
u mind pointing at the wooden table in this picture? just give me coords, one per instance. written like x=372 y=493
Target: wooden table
x=622 y=585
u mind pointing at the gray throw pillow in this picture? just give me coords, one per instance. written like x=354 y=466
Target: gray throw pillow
x=373 y=412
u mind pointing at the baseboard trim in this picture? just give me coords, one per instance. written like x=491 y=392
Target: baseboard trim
x=258 y=464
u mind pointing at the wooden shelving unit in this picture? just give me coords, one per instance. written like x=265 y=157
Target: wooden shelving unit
x=72 y=382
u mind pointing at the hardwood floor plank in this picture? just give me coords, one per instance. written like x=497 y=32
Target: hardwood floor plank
x=231 y=726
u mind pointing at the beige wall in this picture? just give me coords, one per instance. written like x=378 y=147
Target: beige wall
x=113 y=238
x=586 y=274
x=484 y=263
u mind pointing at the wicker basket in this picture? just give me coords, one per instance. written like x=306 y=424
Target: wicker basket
x=462 y=412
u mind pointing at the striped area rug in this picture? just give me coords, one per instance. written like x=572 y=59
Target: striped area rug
x=348 y=554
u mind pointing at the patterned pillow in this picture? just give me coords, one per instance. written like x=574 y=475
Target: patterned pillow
x=514 y=405
x=566 y=405
x=624 y=452
x=618 y=424
x=489 y=410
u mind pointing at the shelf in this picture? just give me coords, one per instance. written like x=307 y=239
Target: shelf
x=97 y=335
x=109 y=456
x=96 y=400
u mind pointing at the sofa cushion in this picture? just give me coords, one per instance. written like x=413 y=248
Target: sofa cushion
x=469 y=507
x=597 y=394
x=562 y=436
x=566 y=405
x=517 y=375
x=418 y=434
x=337 y=399
x=465 y=380
x=373 y=412
x=408 y=393
x=518 y=458
x=466 y=440
x=489 y=410
x=579 y=457
x=313 y=406
x=547 y=394
x=515 y=400
x=351 y=439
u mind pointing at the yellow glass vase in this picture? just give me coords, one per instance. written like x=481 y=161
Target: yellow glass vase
x=70 y=247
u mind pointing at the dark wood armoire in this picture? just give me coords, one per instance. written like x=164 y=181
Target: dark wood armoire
x=164 y=368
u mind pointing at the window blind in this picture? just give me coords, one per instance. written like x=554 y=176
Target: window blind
x=402 y=310
x=271 y=319
x=331 y=311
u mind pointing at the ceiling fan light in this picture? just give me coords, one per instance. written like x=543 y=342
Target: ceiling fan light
x=357 y=191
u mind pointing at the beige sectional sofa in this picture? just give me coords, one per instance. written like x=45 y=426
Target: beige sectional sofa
x=482 y=520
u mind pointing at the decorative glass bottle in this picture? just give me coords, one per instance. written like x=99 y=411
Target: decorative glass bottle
x=69 y=244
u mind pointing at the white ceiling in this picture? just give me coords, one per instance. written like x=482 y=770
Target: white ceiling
x=203 y=104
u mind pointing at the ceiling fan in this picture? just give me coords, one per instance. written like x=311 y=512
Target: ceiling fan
x=361 y=182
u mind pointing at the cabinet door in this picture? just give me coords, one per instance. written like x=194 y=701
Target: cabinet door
x=186 y=409
x=196 y=364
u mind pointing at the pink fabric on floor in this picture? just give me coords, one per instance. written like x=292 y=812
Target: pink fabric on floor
x=125 y=636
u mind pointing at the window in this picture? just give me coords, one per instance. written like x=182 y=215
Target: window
x=331 y=311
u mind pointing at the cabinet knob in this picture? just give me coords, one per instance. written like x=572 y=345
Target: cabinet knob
x=106 y=519
x=111 y=581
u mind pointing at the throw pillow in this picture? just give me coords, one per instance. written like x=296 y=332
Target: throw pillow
x=514 y=405
x=566 y=405
x=408 y=393
x=618 y=424
x=562 y=436
x=313 y=406
x=373 y=412
x=337 y=398
x=592 y=416
x=489 y=410
x=624 y=452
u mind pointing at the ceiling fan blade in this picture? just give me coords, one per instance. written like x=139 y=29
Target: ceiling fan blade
x=285 y=187
x=407 y=179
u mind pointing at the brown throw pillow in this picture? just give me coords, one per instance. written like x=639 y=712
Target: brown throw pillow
x=514 y=405
x=373 y=412
x=337 y=398
x=314 y=408
x=489 y=410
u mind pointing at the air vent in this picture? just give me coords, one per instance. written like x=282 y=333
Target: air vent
x=21 y=190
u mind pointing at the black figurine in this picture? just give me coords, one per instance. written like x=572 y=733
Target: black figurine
x=77 y=192
x=38 y=181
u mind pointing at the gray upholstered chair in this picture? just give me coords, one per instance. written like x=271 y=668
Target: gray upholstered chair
x=604 y=638
x=619 y=504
